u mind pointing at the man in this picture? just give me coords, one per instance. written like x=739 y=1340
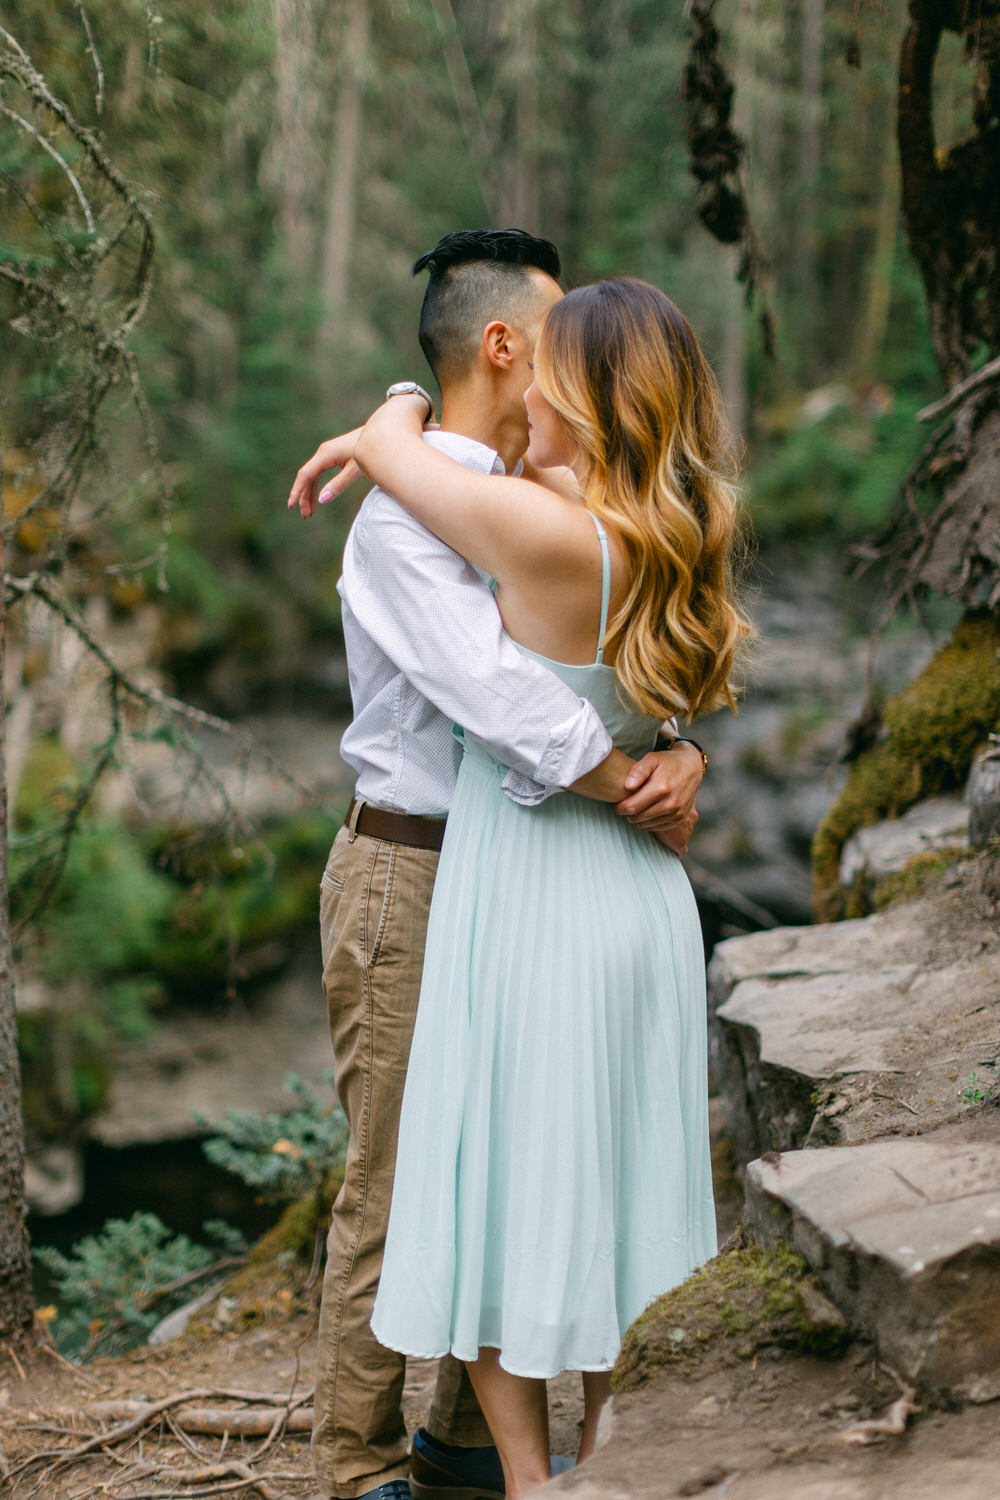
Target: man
x=425 y=650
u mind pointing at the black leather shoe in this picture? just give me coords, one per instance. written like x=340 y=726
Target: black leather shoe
x=393 y=1489
x=439 y=1473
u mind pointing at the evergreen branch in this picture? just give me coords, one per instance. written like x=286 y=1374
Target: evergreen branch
x=62 y=835
x=39 y=587
x=47 y=145
x=92 y=49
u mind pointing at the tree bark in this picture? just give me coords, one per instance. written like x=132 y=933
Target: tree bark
x=344 y=172
x=16 y=1299
x=467 y=103
x=293 y=156
x=519 y=194
x=876 y=315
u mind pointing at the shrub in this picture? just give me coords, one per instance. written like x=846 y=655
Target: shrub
x=116 y=1286
x=284 y=1156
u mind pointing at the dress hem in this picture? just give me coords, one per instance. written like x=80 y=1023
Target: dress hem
x=601 y=1369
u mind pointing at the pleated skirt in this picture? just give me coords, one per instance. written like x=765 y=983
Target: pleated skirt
x=553 y=1173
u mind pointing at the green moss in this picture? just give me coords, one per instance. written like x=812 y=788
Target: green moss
x=275 y=1274
x=738 y=1305
x=934 y=728
x=914 y=878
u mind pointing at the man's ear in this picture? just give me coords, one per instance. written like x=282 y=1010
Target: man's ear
x=498 y=344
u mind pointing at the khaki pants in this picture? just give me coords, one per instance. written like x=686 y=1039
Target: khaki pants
x=374 y=904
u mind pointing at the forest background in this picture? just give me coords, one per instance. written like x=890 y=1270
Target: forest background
x=293 y=158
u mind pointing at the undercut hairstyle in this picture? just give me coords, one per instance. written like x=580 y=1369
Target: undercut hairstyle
x=477 y=276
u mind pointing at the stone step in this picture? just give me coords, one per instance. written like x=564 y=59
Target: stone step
x=847 y=1031
x=905 y=1235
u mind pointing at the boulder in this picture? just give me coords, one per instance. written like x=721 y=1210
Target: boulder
x=842 y=1032
x=984 y=799
x=905 y=1234
x=881 y=849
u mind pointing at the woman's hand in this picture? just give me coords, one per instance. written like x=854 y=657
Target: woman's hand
x=335 y=453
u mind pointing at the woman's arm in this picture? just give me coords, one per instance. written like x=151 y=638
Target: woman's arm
x=505 y=526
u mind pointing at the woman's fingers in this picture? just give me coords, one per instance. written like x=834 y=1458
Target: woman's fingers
x=335 y=453
x=335 y=487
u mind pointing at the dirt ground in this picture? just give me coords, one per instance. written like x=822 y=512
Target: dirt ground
x=765 y=1428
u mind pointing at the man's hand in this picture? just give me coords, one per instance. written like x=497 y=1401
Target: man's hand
x=335 y=453
x=662 y=787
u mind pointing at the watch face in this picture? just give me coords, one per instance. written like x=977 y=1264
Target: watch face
x=404 y=388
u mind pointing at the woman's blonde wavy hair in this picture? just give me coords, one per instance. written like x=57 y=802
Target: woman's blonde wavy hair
x=620 y=364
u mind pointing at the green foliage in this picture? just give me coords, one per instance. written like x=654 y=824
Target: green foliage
x=978 y=1093
x=932 y=730
x=123 y=935
x=834 y=476
x=284 y=1156
x=116 y=1286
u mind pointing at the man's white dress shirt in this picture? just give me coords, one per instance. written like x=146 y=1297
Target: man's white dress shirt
x=426 y=650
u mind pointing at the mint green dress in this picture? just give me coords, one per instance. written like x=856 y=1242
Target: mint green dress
x=553 y=1172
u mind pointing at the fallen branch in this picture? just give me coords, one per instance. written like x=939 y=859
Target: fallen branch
x=240 y=1475
x=150 y=1411
x=214 y=1421
x=892 y=1424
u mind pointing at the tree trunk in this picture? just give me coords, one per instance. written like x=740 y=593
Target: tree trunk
x=807 y=257
x=16 y=1300
x=342 y=179
x=467 y=103
x=292 y=157
x=519 y=197
x=876 y=315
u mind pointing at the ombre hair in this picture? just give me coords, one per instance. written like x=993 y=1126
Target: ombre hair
x=620 y=364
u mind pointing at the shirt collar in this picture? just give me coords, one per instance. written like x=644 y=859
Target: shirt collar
x=473 y=455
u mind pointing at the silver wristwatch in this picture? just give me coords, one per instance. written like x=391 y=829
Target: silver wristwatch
x=411 y=388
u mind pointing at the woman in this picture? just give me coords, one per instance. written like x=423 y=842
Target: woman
x=553 y=1172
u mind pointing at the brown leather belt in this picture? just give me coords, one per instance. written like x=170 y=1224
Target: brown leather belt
x=395 y=827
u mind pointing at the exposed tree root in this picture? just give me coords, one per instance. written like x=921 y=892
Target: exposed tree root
x=264 y=1414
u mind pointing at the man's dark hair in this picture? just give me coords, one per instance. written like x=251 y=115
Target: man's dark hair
x=476 y=275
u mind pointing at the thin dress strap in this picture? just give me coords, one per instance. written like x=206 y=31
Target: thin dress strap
x=605 y=587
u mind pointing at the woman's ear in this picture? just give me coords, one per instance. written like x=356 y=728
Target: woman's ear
x=498 y=344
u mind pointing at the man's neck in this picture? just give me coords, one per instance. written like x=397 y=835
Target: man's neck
x=472 y=414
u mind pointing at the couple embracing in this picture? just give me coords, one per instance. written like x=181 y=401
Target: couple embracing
x=528 y=1163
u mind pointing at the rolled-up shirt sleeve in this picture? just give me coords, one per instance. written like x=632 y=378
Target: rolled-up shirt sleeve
x=434 y=616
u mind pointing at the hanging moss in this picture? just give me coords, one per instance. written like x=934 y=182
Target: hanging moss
x=934 y=728
x=738 y=1305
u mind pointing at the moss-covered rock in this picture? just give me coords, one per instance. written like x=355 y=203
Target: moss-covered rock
x=933 y=730
x=916 y=877
x=741 y=1304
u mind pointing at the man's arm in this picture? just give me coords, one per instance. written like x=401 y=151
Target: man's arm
x=656 y=792
x=436 y=619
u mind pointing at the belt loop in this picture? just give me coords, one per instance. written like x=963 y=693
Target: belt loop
x=352 y=818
